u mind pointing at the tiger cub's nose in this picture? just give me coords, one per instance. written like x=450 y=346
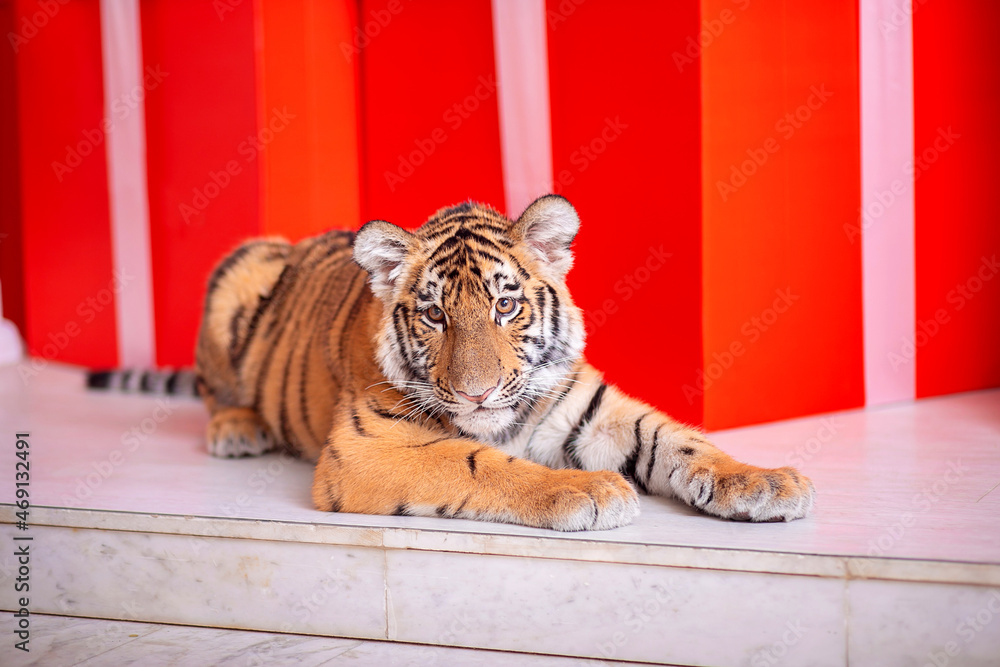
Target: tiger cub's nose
x=476 y=399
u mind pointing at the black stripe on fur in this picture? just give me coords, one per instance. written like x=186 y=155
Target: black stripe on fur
x=569 y=447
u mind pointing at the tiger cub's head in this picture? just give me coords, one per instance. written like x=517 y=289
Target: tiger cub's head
x=477 y=322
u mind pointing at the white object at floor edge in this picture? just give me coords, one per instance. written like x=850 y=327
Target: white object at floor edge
x=11 y=348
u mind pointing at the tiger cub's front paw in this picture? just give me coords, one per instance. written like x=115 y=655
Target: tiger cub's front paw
x=580 y=500
x=746 y=493
x=234 y=432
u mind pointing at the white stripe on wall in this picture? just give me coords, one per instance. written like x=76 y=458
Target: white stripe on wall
x=522 y=63
x=887 y=216
x=124 y=93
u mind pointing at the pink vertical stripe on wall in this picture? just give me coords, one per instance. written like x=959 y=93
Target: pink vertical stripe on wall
x=521 y=53
x=125 y=86
x=885 y=224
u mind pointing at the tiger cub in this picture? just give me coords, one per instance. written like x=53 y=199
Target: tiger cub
x=441 y=373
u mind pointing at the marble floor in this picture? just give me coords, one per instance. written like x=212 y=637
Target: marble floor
x=132 y=520
x=911 y=481
x=59 y=641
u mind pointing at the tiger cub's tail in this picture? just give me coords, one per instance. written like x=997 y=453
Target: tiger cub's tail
x=171 y=382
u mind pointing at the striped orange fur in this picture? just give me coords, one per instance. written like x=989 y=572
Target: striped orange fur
x=441 y=373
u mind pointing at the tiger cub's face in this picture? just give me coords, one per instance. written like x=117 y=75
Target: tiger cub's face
x=477 y=321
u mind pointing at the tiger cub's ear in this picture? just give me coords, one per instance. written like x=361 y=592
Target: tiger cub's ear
x=380 y=248
x=548 y=227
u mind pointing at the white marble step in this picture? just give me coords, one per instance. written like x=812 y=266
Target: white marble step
x=60 y=641
x=132 y=520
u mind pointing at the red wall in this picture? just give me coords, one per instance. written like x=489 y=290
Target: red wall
x=627 y=152
x=11 y=258
x=431 y=127
x=69 y=284
x=310 y=173
x=783 y=310
x=956 y=60
x=712 y=265
x=200 y=120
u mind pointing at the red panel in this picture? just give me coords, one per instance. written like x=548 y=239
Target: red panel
x=203 y=153
x=627 y=152
x=311 y=167
x=69 y=289
x=11 y=264
x=783 y=310
x=430 y=109
x=957 y=139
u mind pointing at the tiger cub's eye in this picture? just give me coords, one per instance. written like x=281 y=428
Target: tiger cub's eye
x=505 y=305
x=435 y=314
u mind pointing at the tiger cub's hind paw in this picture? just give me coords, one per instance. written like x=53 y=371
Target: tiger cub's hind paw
x=234 y=432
